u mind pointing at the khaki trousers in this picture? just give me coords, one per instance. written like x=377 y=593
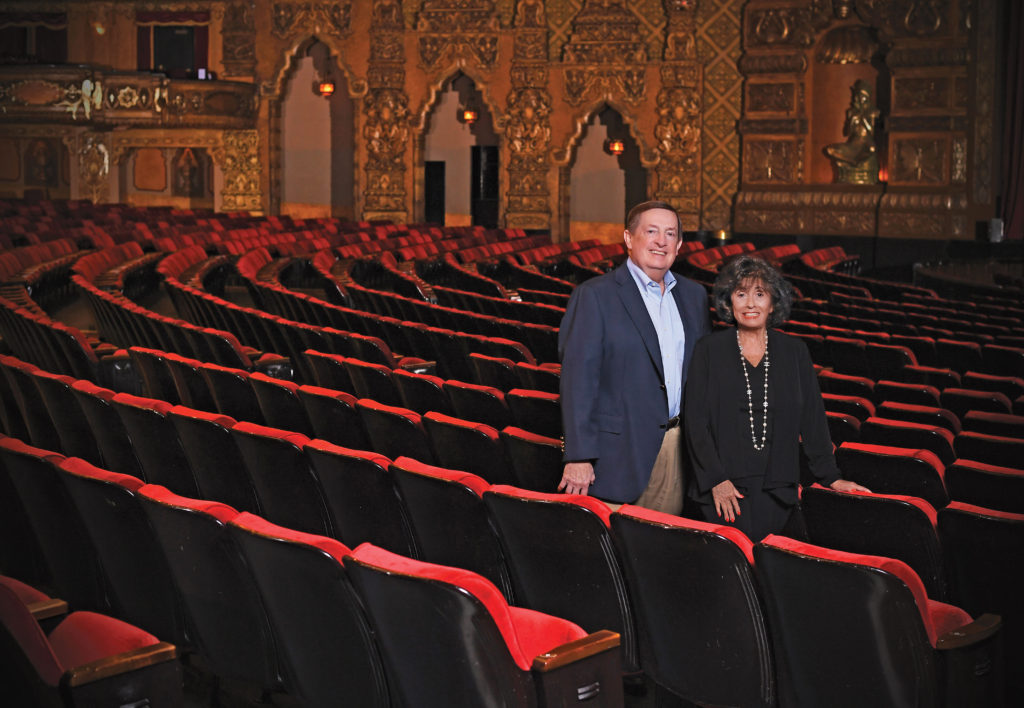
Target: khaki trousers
x=665 y=489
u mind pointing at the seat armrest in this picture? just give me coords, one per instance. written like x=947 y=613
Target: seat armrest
x=120 y=664
x=279 y=367
x=143 y=676
x=418 y=366
x=586 y=669
x=972 y=660
x=48 y=609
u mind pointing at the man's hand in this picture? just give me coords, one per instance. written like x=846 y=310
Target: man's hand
x=577 y=477
x=727 y=500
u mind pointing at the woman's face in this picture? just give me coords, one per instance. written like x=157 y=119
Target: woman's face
x=751 y=305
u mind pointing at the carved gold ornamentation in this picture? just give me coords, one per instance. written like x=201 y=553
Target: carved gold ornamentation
x=771 y=97
x=479 y=49
x=916 y=93
x=604 y=32
x=919 y=161
x=680 y=34
x=774 y=63
x=770 y=161
x=958 y=172
x=849 y=44
x=238 y=36
x=856 y=160
x=584 y=84
x=241 y=167
x=984 y=101
x=289 y=19
x=530 y=46
x=94 y=167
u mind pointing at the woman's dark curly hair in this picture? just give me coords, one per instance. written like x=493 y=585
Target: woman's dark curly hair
x=746 y=269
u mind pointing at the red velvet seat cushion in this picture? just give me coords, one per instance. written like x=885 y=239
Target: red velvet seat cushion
x=527 y=633
x=84 y=637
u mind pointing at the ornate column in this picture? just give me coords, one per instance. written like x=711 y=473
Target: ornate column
x=677 y=133
x=527 y=124
x=241 y=171
x=386 y=117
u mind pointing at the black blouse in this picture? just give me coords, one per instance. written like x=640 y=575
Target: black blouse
x=717 y=417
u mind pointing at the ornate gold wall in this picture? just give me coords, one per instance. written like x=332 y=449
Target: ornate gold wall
x=728 y=102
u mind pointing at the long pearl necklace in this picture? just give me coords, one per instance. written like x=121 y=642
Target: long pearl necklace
x=750 y=401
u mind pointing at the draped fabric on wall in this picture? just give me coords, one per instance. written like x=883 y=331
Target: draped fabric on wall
x=1013 y=124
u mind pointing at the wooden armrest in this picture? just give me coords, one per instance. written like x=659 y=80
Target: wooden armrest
x=46 y=609
x=977 y=631
x=119 y=664
x=576 y=650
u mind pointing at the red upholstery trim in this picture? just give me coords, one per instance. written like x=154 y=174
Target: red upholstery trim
x=260 y=376
x=15 y=445
x=925 y=455
x=154 y=404
x=460 y=423
x=452 y=383
x=81 y=468
x=528 y=393
x=332 y=449
x=921 y=504
x=479 y=485
x=219 y=511
x=982 y=511
x=989 y=469
x=329 y=392
x=218 y=418
x=587 y=502
x=908 y=425
x=25 y=592
x=657 y=517
x=92 y=389
x=84 y=637
x=890 y=565
x=257 y=524
x=27 y=633
x=532 y=437
x=945 y=618
x=436 y=380
x=296 y=439
x=526 y=633
x=393 y=410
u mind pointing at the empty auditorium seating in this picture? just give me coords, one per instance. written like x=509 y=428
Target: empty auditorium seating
x=87 y=659
x=895 y=470
x=395 y=432
x=559 y=551
x=326 y=648
x=915 y=436
x=990 y=449
x=461 y=536
x=154 y=442
x=334 y=417
x=415 y=605
x=986 y=485
x=928 y=415
x=537 y=411
x=701 y=629
x=851 y=629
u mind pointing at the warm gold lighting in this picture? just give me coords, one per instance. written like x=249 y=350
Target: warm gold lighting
x=325 y=88
x=615 y=147
x=469 y=116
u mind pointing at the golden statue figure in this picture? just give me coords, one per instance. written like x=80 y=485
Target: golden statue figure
x=856 y=160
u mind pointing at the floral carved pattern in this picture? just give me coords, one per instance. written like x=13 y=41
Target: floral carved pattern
x=465 y=29
x=603 y=55
x=241 y=171
x=770 y=161
x=919 y=161
x=291 y=19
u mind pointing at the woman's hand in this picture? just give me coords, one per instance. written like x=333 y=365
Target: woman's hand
x=727 y=500
x=845 y=485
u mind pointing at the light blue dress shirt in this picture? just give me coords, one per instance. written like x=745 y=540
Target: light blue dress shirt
x=669 y=325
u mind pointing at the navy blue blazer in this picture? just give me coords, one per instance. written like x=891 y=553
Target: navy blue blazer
x=613 y=396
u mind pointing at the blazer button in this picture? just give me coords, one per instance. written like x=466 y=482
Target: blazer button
x=662 y=387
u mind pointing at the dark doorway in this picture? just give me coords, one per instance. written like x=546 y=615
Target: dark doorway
x=484 y=186
x=433 y=192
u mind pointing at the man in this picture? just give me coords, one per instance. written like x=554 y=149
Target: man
x=625 y=344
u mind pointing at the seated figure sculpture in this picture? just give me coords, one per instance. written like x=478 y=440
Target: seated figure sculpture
x=856 y=160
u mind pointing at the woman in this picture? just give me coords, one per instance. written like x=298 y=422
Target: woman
x=751 y=397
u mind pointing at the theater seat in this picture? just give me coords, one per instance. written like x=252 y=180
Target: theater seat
x=857 y=406
x=915 y=436
x=326 y=645
x=860 y=630
x=536 y=460
x=890 y=525
x=88 y=659
x=1002 y=424
x=961 y=400
x=985 y=485
x=914 y=393
x=895 y=470
x=468 y=446
x=842 y=427
x=928 y=415
x=561 y=559
x=395 y=431
x=334 y=416
x=537 y=411
x=701 y=628
x=420 y=612
x=462 y=536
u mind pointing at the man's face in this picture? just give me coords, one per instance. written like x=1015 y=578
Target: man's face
x=654 y=243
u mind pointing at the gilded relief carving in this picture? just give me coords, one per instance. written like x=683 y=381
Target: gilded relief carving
x=984 y=102
x=924 y=92
x=465 y=29
x=958 y=170
x=605 y=53
x=771 y=97
x=292 y=19
x=94 y=167
x=678 y=129
x=680 y=34
x=774 y=63
x=856 y=160
x=770 y=161
x=241 y=166
x=586 y=84
x=238 y=37
x=919 y=160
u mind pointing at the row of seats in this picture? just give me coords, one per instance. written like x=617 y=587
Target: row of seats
x=293 y=612
x=703 y=612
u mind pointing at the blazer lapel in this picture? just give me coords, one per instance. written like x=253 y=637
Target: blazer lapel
x=634 y=304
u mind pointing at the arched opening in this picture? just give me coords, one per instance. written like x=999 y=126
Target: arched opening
x=460 y=158
x=317 y=137
x=606 y=178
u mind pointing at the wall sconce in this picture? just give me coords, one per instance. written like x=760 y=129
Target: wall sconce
x=325 y=88
x=883 y=174
x=614 y=146
x=468 y=115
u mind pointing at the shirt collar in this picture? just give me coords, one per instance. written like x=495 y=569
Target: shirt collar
x=644 y=282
